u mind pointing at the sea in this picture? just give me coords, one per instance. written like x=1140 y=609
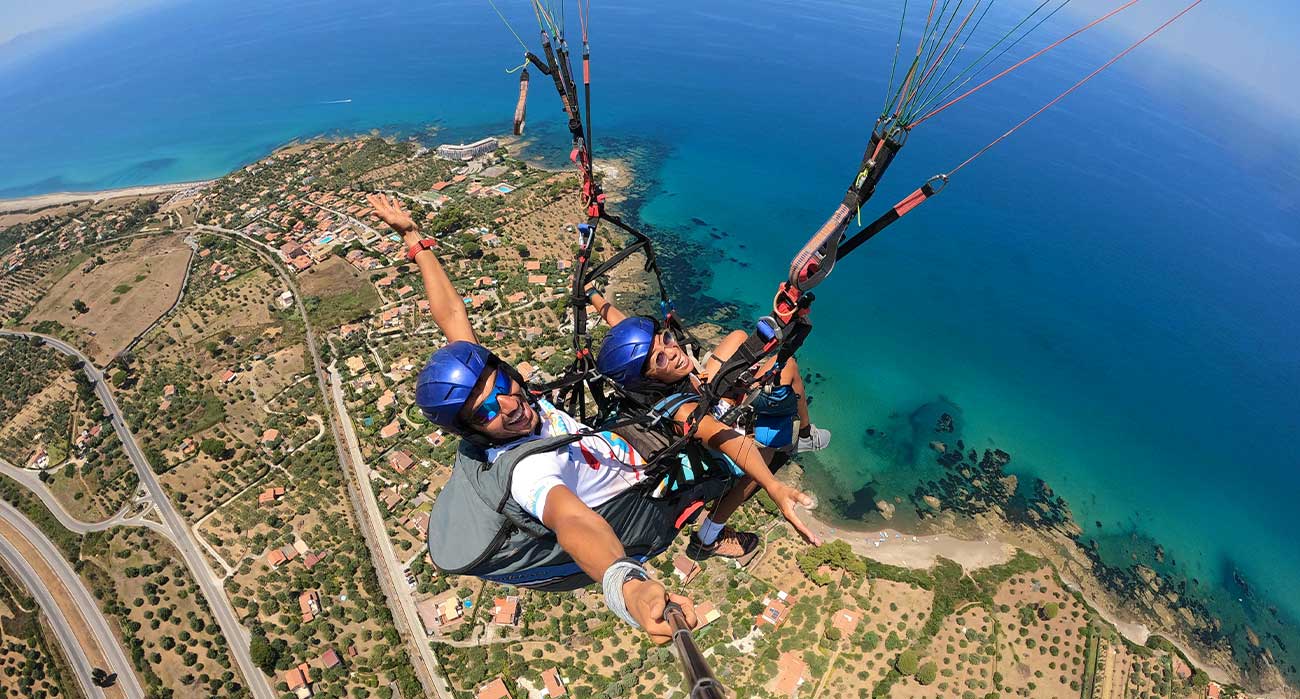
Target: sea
x=1109 y=295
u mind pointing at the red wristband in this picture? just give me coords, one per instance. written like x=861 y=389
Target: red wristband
x=415 y=249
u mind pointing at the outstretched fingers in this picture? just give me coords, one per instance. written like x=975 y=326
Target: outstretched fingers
x=799 y=498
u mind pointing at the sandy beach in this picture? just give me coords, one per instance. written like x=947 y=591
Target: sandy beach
x=56 y=198
x=913 y=551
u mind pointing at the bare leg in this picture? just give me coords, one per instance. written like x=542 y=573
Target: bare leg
x=727 y=505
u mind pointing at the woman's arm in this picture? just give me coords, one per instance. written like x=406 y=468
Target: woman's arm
x=608 y=312
x=445 y=303
x=742 y=449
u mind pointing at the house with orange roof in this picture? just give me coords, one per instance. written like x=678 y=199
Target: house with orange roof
x=538 y=279
x=400 y=461
x=417 y=523
x=506 y=611
x=390 y=498
x=311 y=559
x=685 y=569
x=706 y=613
x=309 y=605
x=386 y=401
x=533 y=265
x=228 y=376
x=439 y=612
x=270 y=437
x=169 y=390
x=276 y=558
x=774 y=611
x=299 y=680
x=517 y=297
x=846 y=621
x=329 y=659
x=270 y=495
x=391 y=430
x=496 y=689
x=791 y=671
x=552 y=685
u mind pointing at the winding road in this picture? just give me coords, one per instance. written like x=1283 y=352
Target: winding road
x=108 y=648
x=391 y=580
x=28 y=479
x=209 y=584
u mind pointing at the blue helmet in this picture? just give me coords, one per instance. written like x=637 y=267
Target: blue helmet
x=448 y=380
x=623 y=353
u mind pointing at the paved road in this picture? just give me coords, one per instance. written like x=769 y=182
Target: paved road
x=107 y=641
x=209 y=583
x=391 y=581
x=29 y=479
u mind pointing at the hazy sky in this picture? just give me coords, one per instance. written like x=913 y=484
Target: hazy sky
x=1250 y=40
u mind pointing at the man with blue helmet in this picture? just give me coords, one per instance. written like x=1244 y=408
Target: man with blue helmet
x=536 y=498
x=642 y=356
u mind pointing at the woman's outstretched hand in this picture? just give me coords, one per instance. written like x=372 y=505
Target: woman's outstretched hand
x=391 y=211
x=786 y=498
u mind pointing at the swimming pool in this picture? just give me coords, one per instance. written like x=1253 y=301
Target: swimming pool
x=504 y=188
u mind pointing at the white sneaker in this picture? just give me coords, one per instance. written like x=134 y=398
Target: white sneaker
x=816 y=440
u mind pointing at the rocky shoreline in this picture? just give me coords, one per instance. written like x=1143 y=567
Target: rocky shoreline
x=974 y=508
x=977 y=498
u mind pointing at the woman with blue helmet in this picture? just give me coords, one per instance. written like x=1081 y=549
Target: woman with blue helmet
x=642 y=356
x=556 y=519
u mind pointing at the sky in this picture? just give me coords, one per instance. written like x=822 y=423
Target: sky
x=1248 y=42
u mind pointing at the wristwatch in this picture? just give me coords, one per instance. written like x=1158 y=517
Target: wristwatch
x=417 y=248
x=637 y=573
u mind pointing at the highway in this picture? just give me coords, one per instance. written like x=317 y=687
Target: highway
x=108 y=644
x=182 y=536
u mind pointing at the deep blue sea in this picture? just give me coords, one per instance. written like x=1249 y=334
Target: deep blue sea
x=1110 y=295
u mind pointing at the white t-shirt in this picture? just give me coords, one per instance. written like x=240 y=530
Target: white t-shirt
x=595 y=468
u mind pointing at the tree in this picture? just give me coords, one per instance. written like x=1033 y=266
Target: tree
x=80 y=306
x=927 y=673
x=213 y=447
x=264 y=655
x=907 y=662
x=1050 y=610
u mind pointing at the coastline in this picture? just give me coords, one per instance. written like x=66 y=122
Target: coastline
x=41 y=201
x=896 y=547
x=921 y=551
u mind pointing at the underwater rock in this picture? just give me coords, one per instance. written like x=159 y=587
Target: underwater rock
x=886 y=508
x=944 y=424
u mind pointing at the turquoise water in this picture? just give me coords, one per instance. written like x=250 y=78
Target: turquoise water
x=1109 y=295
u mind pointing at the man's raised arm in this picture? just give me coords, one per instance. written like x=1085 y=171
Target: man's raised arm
x=445 y=303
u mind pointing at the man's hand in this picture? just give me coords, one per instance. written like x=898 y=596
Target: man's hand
x=645 y=601
x=786 y=498
x=391 y=211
